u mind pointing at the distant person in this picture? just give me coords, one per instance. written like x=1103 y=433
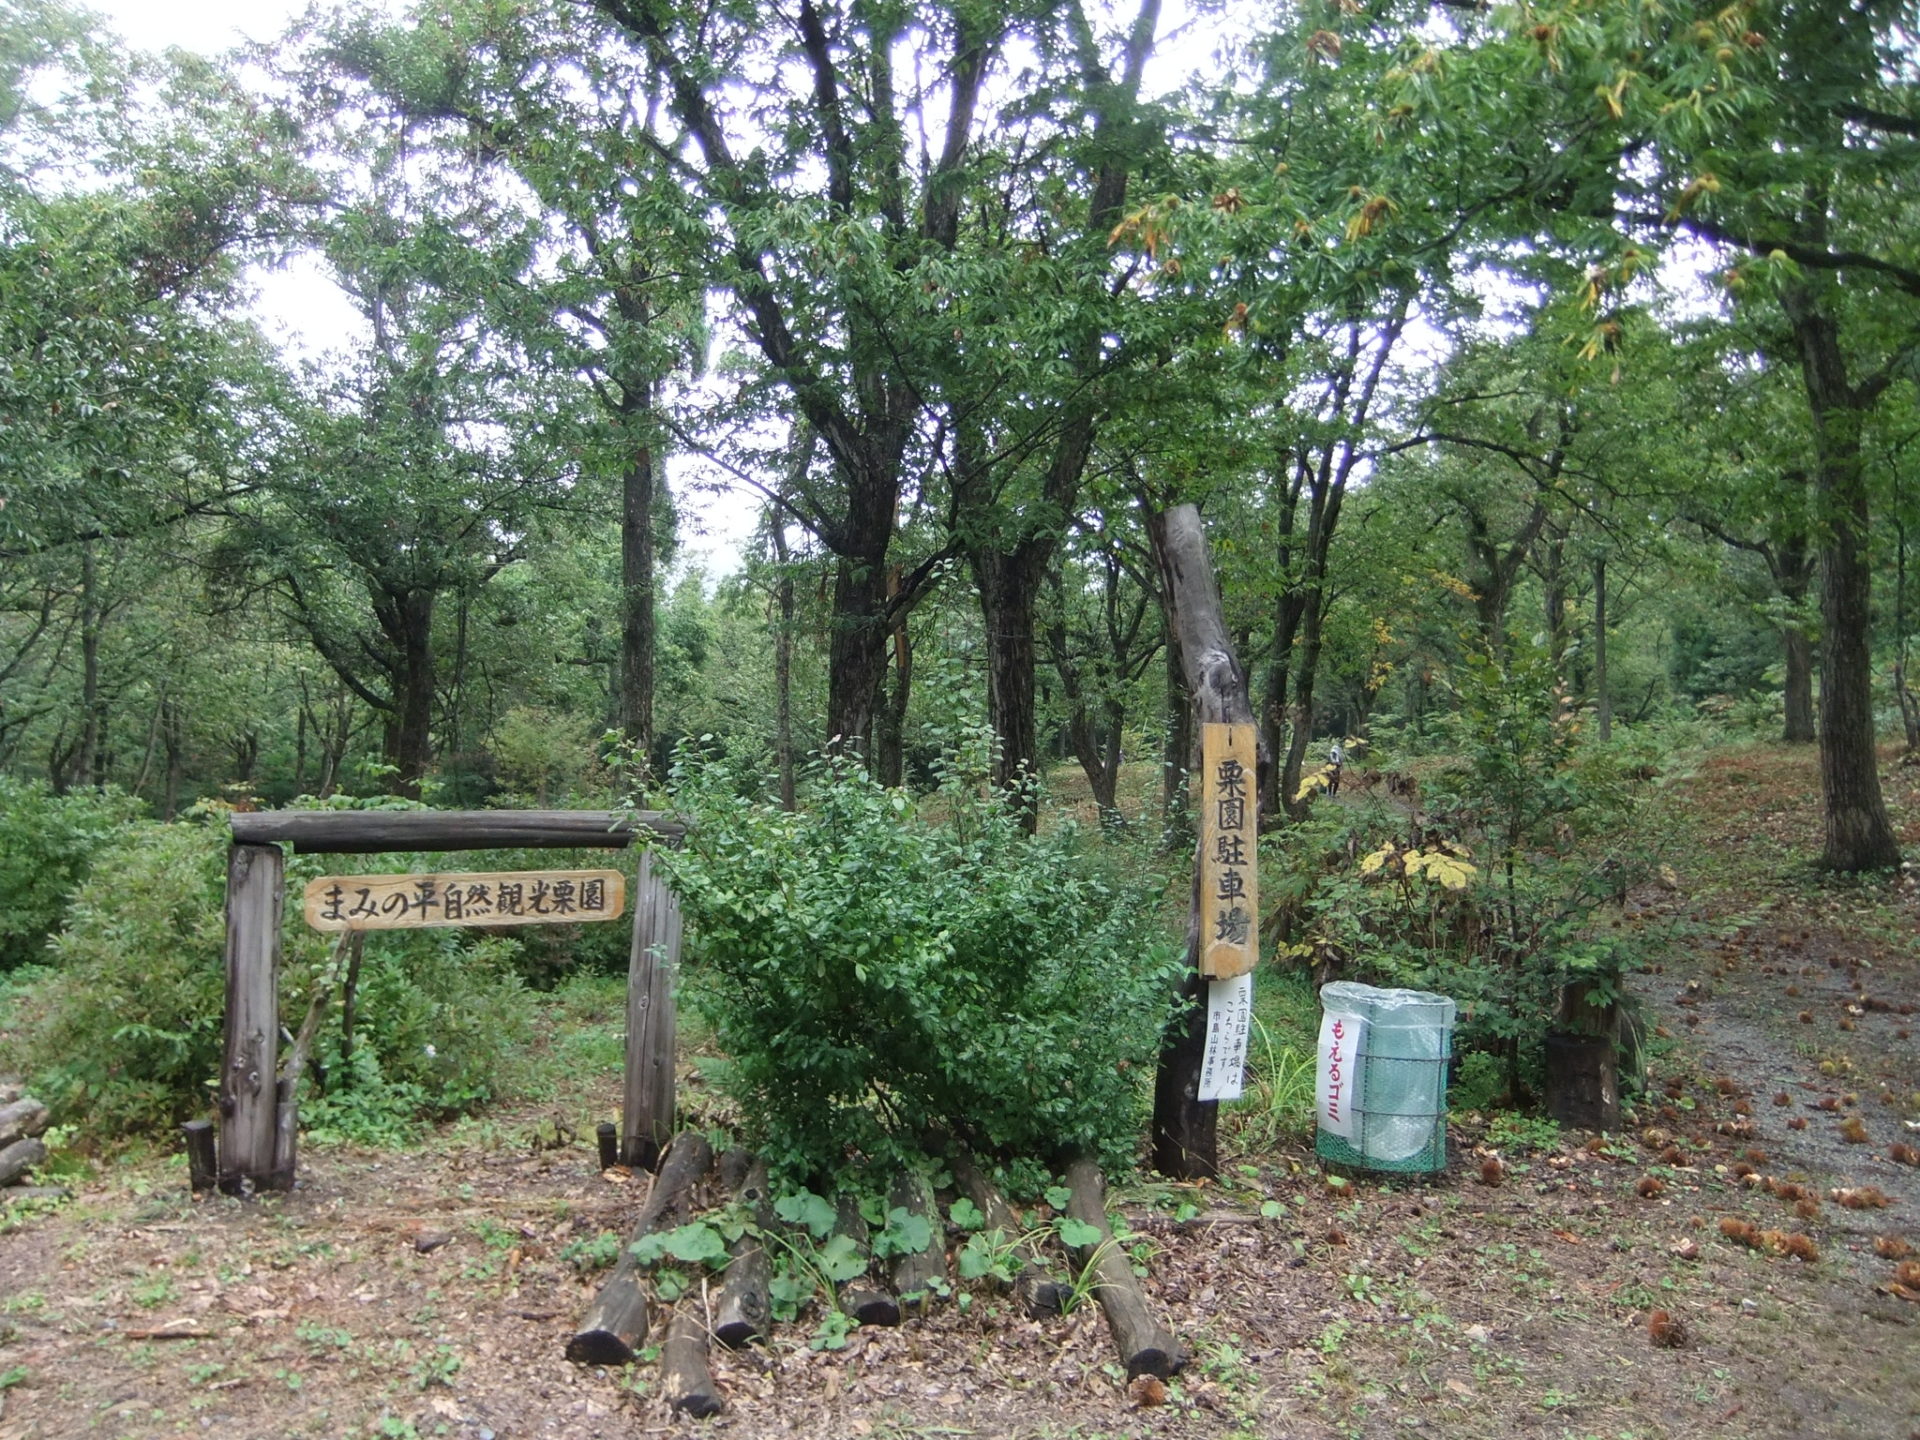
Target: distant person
x=1336 y=757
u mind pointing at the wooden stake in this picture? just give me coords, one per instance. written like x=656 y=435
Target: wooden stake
x=1037 y=1292
x=201 y=1165
x=863 y=1298
x=607 y=1135
x=914 y=1274
x=1185 y=1127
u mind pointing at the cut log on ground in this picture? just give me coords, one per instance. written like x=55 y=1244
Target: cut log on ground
x=919 y=1276
x=745 y=1309
x=1037 y=1293
x=20 y=1157
x=684 y=1375
x=863 y=1299
x=616 y=1323
x=22 y=1120
x=35 y=1192
x=1146 y=1346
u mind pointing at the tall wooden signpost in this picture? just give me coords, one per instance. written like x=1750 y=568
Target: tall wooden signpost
x=1203 y=1053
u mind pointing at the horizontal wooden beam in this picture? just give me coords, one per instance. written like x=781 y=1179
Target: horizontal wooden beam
x=368 y=832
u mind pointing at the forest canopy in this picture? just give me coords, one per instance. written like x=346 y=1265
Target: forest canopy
x=1588 y=328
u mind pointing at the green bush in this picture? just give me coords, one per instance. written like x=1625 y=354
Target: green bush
x=47 y=844
x=872 y=972
x=1503 y=890
x=123 y=1027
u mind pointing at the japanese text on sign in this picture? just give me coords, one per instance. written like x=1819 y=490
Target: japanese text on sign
x=1229 y=843
x=532 y=897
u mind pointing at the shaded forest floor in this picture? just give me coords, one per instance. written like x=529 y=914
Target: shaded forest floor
x=1450 y=1307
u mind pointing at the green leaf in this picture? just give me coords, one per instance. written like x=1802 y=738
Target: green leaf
x=1077 y=1234
x=808 y=1210
x=905 y=1234
x=964 y=1213
x=696 y=1244
x=1058 y=1196
x=840 y=1260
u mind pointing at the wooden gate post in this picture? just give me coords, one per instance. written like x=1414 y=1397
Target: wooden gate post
x=256 y=885
x=647 y=1109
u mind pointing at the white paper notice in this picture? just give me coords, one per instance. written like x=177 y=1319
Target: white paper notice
x=1223 y=1065
x=1336 y=1077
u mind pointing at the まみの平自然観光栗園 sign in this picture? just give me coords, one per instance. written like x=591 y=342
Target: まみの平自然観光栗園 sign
x=406 y=902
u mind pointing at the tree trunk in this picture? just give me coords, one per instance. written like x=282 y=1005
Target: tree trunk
x=890 y=721
x=1793 y=572
x=407 y=619
x=173 y=741
x=1602 y=698
x=1859 y=834
x=1009 y=587
x=856 y=654
x=783 y=682
x=636 y=577
x=1301 y=711
x=86 y=755
x=1176 y=759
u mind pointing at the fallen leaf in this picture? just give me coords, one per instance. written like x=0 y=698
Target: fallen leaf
x=1147 y=1391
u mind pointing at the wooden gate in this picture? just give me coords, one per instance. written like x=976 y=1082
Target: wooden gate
x=256 y=1150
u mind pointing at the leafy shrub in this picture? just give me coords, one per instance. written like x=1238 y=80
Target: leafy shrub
x=124 y=1026
x=873 y=972
x=1504 y=892
x=47 y=844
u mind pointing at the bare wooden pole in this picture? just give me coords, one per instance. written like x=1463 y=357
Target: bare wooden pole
x=1185 y=1127
x=647 y=1108
x=256 y=888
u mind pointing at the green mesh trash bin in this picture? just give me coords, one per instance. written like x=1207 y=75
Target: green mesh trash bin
x=1381 y=1089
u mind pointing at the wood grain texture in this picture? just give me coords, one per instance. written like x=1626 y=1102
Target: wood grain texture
x=368 y=832
x=256 y=890
x=647 y=1102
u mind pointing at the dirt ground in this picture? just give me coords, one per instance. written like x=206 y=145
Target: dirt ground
x=428 y=1293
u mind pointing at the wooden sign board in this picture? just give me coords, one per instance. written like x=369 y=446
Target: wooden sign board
x=1229 y=842
x=411 y=902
